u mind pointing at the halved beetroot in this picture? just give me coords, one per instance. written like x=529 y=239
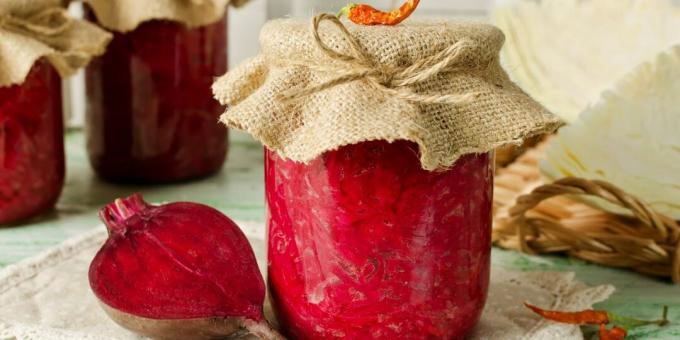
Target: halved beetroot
x=177 y=271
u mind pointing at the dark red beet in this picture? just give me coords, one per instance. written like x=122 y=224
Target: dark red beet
x=177 y=271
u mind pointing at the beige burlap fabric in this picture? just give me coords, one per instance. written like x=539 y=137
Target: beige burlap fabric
x=315 y=88
x=126 y=15
x=32 y=29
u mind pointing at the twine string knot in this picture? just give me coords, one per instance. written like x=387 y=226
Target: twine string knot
x=393 y=81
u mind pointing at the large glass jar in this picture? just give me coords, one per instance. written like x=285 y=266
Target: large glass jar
x=31 y=144
x=364 y=243
x=151 y=116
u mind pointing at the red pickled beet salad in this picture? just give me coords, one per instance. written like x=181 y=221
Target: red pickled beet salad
x=364 y=243
x=151 y=113
x=31 y=144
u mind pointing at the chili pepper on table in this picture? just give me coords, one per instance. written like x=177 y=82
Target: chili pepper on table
x=366 y=15
x=586 y=317
x=599 y=317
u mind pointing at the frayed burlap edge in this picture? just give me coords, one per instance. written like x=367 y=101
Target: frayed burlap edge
x=31 y=30
x=314 y=90
x=126 y=15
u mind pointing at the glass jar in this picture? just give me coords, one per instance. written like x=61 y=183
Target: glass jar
x=364 y=243
x=151 y=116
x=31 y=144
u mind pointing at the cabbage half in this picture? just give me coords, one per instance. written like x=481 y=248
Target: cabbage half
x=630 y=137
x=564 y=53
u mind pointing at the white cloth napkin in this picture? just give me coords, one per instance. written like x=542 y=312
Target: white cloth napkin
x=47 y=297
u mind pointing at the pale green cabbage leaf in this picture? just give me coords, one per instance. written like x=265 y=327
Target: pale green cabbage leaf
x=630 y=137
x=564 y=53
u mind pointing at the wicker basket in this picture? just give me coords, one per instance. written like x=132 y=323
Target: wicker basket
x=537 y=218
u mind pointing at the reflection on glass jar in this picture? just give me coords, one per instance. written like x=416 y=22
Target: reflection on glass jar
x=151 y=116
x=364 y=243
x=31 y=144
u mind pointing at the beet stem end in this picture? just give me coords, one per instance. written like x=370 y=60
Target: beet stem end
x=114 y=214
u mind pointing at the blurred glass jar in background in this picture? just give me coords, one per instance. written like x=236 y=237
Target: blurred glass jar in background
x=31 y=144
x=151 y=116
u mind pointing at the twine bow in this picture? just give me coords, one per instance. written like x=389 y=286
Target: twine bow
x=393 y=81
x=47 y=23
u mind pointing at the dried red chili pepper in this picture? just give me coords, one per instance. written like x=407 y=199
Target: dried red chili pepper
x=598 y=317
x=586 y=317
x=616 y=333
x=366 y=15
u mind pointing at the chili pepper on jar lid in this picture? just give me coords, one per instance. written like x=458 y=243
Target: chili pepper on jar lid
x=367 y=15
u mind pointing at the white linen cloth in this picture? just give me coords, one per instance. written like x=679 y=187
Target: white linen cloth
x=47 y=297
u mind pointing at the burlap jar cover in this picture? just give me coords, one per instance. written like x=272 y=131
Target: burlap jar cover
x=126 y=15
x=33 y=29
x=438 y=84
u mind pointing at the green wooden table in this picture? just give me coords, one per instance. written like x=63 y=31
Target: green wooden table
x=238 y=191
